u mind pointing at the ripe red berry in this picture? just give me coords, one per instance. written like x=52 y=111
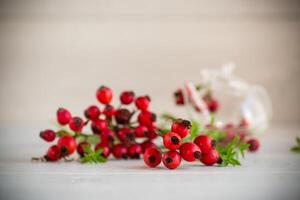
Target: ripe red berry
x=126 y=135
x=181 y=127
x=147 y=144
x=76 y=124
x=67 y=145
x=146 y=118
x=48 y=135
x=152 y=157
x=190 y=151
x=99 y=125
x=119 y=151
x=178 y=95
x=109 y=111
x=63 y=116
x=205 y=143
x=254 y=144
x=81 y=146
x=127 y=97
x=171 y=159
x=142 y=103
x=104 y=95
x=212 y=105
x=53 y=153
x=172 y=141
x=210 y=158
x=141 y=131
x=107 y=137
x=152 y=132
x=92 y=112
x=123 y=116
x=134 y=151
x=105 y=149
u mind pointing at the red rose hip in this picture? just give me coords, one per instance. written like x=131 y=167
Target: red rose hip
x=119 y=151
x=109 y=111
x=105 y=149
x=67 y=145
x=181 y=127
x=171 y=159
x=152 y=157
x=205 y=143
x=172 y=141
x=253 y=144
x=48 y=135
x=81 y=146
x=92 y=112
x=63 y=116
x=76 y=124
x=142 y=102
x=190 y=151
x=53 y=153
x=134 y=151
x=210 y=158
x=127 y=97
x=104 y=95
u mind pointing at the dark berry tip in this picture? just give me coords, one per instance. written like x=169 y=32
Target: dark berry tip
x=197 y=154
x=175 y=140
x=169 y=160
x=148 y=97
x=151 y=159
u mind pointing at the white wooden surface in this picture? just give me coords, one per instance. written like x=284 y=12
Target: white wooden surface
x=272 y=173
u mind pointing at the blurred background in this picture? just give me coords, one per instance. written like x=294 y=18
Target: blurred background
x=57 y=53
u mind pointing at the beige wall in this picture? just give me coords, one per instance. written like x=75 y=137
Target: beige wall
x=56 y=53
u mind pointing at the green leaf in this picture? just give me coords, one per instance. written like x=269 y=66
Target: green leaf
x=296 y=148
x=195 y=129
x=91 y=156
x=93 y=139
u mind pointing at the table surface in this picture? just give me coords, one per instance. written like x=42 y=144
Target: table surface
x=271 y=173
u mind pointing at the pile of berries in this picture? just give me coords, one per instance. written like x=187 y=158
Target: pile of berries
x=202 y=148
x=119 y=132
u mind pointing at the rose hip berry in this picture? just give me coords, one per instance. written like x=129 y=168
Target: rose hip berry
x=181 y=127
x=104 y=95
x=212 y=105
x=107 y=137
x=147 y=144
x=81 y=146
x=53 y=153
x=254 y=144
x=172 y=141
x=190 y=151
x=123 y=116
x=92 y=112
x=63 y=116
x=141 y=131
x=119 y=151
x=152 y=157
x=210 y=158
x=171 y=159
x=146 y=118
x=205 y=143
x=152 y=132
x=105 y=149
x=67 y=145
x=76 y=124
x=109 y=111
x=48 y=135
x=142 y=102
x=127 y=97
x=134 y=151
x=178 y=95
x=99 y=126
x=126 y=135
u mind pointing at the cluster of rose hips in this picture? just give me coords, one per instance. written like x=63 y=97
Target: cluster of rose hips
x=241 y=130
x=211 y=102
x=202 y=148
x=118 y=133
